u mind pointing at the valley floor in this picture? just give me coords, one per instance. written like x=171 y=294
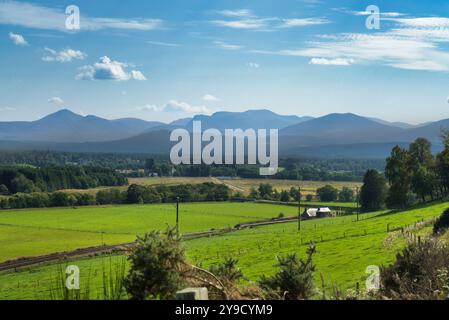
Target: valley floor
x=345 y=247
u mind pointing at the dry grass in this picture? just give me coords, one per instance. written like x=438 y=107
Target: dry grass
x=245 y=185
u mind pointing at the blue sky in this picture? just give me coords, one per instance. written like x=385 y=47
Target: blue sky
x=164 y=60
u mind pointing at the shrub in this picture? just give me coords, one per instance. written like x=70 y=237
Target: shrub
x=227 y=270
x=156 y=266
x=417 y=272
x=294 y=279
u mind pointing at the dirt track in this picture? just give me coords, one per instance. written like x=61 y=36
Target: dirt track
x=58 y=256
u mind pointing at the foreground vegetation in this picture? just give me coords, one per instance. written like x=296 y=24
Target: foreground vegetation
x=344 y=248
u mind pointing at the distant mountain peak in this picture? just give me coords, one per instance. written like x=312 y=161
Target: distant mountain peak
x=62 y=114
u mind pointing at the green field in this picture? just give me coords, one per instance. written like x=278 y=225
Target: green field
x=33 y=232
x=345 y=249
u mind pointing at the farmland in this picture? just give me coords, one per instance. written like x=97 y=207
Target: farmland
x=33 y=232
x=345 y=247
x=245 y=185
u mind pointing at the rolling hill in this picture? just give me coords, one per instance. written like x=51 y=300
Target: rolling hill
x=66 y=126
x=343 y=135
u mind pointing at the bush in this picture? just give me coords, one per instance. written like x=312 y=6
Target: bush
x=442 y=222
x=417 y=273
x=294 y=279
x=227 y=271
x=156 y=267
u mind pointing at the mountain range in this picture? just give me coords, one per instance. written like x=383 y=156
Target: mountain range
x=337 y=135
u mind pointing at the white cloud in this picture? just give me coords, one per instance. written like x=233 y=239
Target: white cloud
x=31 y=15
x=150 y=107
x=411 y=48
x=253 y=65
x=247 y=23
x=245 y=19
x=210 y=98
x=333 y=62
x=236 y=13
x=382 y=14
x=227 y=46
x=56 y=100
x=62 y=56
x=176 y=107
x=424 y=22
x=18 y=39
x=163 y=44
x=137 y=75
x=7 y=109
x=289 y=23
x=108 y=69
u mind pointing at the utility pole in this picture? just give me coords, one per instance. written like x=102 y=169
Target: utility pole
x=358 y=203
x=299 y=209
x=177 y=216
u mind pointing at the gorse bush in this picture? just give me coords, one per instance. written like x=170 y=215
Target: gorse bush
x=417 y=273
x=156 y=266
x=228 y=270
x=294 y=279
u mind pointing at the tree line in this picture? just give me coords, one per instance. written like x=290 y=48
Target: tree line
x=26 y=179
x=134 y=194
x=327 y=193
x=142 y=165
x=411 y=175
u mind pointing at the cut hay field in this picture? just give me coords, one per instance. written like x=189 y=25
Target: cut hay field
x=345 y=249
x=32 y=232
x=245 y=185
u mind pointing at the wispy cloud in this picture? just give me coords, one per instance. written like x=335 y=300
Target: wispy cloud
x=409 y=43
x=236 y=13
x=382 y=14
x=227 y=46
x=18 y=39
x=56 y=100
x=245 y=19
x=331 y=62
x=253 y=65
x=175 y=106
x=210 y=98
x=290 y=23
x=108 y=69
x=7 y=109
x=35 y=16
x=163 y=44
x=62 y=56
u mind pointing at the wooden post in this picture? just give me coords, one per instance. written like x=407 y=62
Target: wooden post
x=299 y=208
x=177 y=216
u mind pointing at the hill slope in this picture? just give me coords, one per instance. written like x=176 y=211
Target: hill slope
x=66 y=126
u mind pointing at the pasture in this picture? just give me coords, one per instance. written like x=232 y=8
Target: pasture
x=32 y=232
x=345 y=248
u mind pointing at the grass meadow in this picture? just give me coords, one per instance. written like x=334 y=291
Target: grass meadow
x=32 y=232
x=345 y=248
